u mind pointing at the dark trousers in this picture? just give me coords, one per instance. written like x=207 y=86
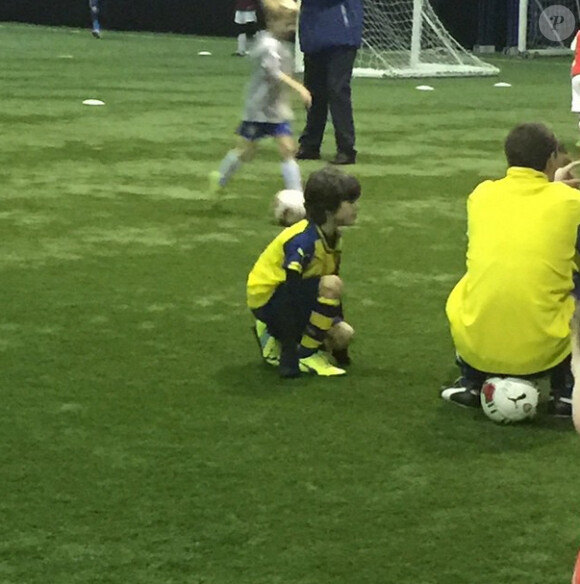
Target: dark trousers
x=561 y=380
x=327 y=76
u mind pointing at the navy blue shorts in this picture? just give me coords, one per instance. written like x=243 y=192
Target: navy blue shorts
x=307 y=301
x=271 y=311
x=257 y=130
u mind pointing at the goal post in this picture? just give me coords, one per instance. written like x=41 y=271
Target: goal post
x=546 y=27
x=416 y=33
x=405 y=38
x=522 y=26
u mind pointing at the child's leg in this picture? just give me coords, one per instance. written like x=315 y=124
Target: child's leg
x=466 y=390
x=246 y=26
x=290 y=168
x=298 y=306
x=561 y=382
x=242 y=38
x=323 y=315
x=250 y=29
x=561 y=386
x=243 y=152
x=472 y=379
x=94 y=5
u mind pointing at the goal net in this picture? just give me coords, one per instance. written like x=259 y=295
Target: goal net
x=546 y=27
x=405 y=38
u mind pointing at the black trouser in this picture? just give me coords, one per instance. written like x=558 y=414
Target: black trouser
x=561 y=380
x=327 y=76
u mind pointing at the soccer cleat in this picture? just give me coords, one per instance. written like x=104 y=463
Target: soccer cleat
x=215 y=186
x=460 y=395
x=560 y=407
x=318 y=364
x=96 y=33
x=269 y=346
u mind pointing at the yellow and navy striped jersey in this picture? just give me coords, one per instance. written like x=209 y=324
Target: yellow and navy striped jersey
x=302 y=248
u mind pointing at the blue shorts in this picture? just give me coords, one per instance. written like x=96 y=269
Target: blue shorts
x=308 y=292
x=256 y=130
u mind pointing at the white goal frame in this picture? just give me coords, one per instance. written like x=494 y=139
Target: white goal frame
x=523 y=48
x=447 y=59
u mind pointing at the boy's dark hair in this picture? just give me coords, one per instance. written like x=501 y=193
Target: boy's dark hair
x=326 y=189
x=530 y=145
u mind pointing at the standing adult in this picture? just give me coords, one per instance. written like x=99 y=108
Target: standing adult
x=330 y=36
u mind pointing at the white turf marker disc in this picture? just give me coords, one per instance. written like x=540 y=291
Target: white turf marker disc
x=502 y=84
x=204 y=53
x=425 y=88
x=93 y=102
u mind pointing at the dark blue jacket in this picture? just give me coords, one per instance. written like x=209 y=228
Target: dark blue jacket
x=325 y=24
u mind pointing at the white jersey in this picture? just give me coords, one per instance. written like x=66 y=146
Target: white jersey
x=267 y=98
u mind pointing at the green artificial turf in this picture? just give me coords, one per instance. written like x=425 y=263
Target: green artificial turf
x=143 y=441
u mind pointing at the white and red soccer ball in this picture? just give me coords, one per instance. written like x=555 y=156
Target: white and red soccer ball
x=508 y=400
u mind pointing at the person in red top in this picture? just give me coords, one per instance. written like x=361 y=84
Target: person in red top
x=576 y=575
x=575 y=74
x=246 y=23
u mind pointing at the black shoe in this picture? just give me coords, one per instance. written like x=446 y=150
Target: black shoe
x=462 y=396
x=341 y=357
x=303 y=154
x=343 y=158
x=238 y=54
x=560 y=407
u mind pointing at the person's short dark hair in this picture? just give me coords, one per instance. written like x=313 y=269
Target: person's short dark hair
x=530 y=145
x=326 y=189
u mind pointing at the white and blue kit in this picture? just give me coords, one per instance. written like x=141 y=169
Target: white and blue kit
x=267 y=109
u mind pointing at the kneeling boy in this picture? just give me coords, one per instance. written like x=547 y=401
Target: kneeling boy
x=294 y=289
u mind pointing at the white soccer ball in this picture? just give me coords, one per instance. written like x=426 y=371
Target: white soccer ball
x=508 y=399
x=289 y=207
